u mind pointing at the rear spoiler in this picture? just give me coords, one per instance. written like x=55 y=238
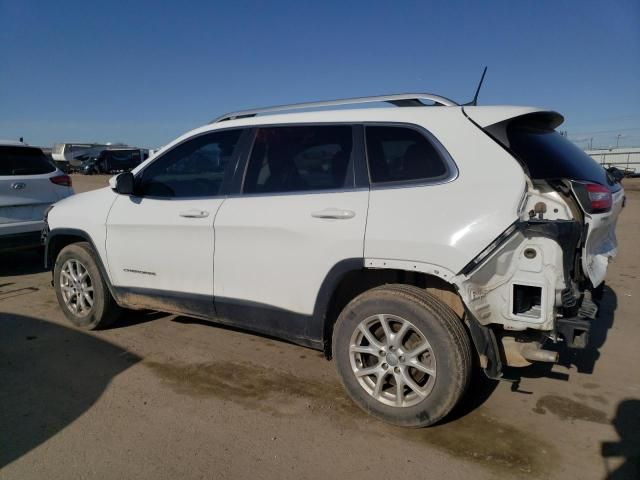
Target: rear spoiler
x=493 y=121
x=488 y=116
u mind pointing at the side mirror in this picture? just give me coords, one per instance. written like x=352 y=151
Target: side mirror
x=125 y=183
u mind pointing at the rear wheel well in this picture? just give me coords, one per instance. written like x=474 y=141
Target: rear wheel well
x=355 y=282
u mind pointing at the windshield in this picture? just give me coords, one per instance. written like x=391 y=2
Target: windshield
x=24 y=161
x=548 y=155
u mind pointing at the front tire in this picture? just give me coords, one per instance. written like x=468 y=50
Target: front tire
x=402 y=355
x=80 y=289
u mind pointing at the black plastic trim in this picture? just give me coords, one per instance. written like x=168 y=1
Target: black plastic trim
x=575 y=331
x=180 y=303
x=266 y=319
x=244 y=150
x=482 y=256
x=19 y=241
x=317 y=327
x=361 y=171
x=484 y=339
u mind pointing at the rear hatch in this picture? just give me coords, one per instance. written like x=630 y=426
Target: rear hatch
x=547 y=155
x=25 y=186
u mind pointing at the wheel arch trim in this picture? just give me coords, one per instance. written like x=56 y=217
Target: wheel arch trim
x=74 y=232
x=412 y=266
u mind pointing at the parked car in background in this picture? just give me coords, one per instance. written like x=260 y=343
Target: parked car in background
x=29 y=184
x=114 y=160
x=69 y=156
x=404 y=242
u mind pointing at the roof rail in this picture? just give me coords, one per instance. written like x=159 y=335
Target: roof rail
x=399 y=100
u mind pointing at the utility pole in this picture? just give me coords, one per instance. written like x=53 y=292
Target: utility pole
x=591 y=143
x=618 y=139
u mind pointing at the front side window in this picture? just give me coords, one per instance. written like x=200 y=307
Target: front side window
x=400 y=154
x=195 y=168
x=300 y=158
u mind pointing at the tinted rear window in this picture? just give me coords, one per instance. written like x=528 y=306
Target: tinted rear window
x=24 y=161
x=401 y=154
x=549 y=155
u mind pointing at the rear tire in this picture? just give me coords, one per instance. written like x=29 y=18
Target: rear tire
x=402 y=355
x=82 y=293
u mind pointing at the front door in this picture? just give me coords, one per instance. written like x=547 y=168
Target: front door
x=160 y=241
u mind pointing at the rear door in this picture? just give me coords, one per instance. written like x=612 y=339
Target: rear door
x=414 y=218
x=25 y=188
x=298 y=216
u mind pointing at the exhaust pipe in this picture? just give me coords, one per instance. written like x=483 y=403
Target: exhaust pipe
x=533 y=352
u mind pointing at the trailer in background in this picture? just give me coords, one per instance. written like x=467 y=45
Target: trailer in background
x=69 y=156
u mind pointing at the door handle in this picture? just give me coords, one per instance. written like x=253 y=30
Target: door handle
x=336 y=213
x=194 y=213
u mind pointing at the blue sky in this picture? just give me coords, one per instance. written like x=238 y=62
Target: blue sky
x=145 y=72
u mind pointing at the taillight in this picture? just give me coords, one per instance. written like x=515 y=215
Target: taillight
x=600 y=197
x=63 y=180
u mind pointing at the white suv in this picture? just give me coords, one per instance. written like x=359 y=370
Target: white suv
x=401 y=241
x=29 y=184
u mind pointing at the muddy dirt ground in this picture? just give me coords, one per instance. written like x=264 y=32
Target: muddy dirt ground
x=161 y=396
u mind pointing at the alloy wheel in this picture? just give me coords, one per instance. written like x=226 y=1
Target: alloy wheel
x=392 y=360
x=76 y=287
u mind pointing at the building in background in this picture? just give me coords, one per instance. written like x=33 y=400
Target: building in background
x=624 y=158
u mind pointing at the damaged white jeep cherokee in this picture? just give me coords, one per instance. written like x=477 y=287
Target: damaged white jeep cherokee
x=401 y=241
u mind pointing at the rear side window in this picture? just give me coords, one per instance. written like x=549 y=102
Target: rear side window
x=24 y=161
x=549 y=155
x=400 y=154
x=195 y=168
x=300 y=158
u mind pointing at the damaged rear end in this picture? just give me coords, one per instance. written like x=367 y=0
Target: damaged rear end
x=537 y=282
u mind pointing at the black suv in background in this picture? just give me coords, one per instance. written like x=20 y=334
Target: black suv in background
x=114 y=160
